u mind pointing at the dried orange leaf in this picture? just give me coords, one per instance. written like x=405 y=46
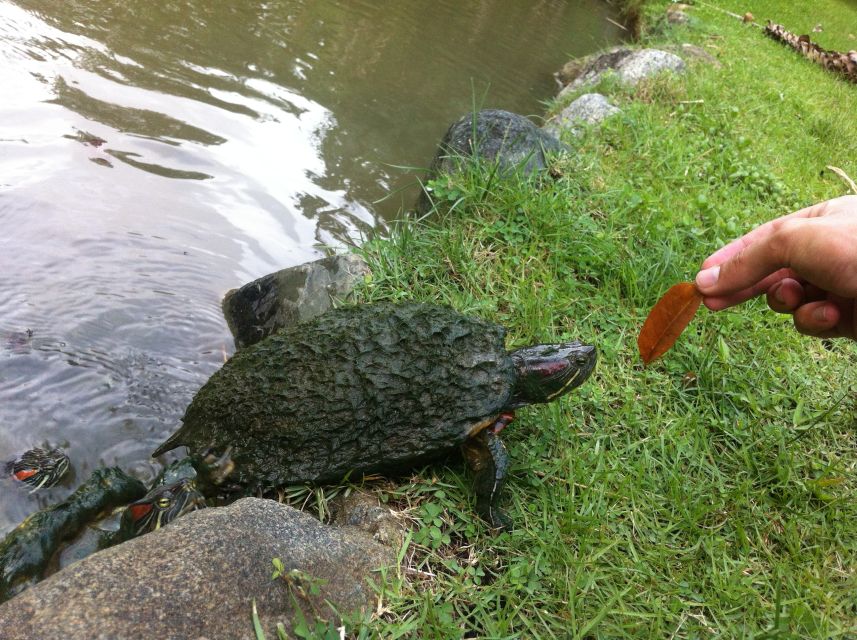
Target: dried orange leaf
x=667 y=319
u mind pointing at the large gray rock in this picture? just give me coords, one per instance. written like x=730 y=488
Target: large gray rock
x=198 y=577
x=588 y=67
x=590 y=108
x=629 y=66
x=511 y=140
x=492 y=135
x=647 y=63
x=291 y=295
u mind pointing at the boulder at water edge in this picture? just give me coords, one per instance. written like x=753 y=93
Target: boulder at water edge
x=492 y=135
x=590 y=108
x=630 y=67
x=291 y=295
x=198 y=577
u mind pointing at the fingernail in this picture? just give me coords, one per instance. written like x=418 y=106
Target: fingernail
x=820 y=314
x=778 y=293
x=708 y=277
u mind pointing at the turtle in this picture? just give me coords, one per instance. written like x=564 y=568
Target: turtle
x=375 y=388
x=160 y=506
x=29 y=550
x=39 y=468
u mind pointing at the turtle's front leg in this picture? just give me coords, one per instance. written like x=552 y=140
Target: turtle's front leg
x=487 y=457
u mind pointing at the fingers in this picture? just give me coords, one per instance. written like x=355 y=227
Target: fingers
x=805 y=263
x=717 y=303
x=819 y=319
x=763 y=232
x=786 y=295
x=833 y=317
x=748 y=271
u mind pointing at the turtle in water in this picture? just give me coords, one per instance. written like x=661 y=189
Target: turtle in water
x=375 y=388
x=160 y=506
x=39 y=468
x=27 y=552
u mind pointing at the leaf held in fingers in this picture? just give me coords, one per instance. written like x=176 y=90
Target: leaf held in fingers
x=667 y=319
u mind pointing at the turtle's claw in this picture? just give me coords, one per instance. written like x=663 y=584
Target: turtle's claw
x=218 y=469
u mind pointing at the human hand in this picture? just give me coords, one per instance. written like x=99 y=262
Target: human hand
x=806 y=263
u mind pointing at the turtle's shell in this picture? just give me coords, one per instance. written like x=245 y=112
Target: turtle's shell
x=359 y=389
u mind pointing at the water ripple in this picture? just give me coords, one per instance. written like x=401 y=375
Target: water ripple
x=154 y=155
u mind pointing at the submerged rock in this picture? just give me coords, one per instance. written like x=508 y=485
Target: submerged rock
x=198 y=578
x=590 y=108
x=292 y=295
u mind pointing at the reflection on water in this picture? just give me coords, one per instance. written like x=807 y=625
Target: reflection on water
x=155 y=154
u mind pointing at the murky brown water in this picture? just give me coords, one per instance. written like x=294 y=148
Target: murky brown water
x=155 y=154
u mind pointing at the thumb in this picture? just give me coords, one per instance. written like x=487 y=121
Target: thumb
x=747 y=273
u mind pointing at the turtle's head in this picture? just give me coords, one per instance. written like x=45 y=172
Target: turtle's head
x=547 y=371
x=40 y=468
x=162 y=505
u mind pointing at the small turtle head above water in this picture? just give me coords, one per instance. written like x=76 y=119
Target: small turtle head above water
x=544 y=372
x=162 y=505
x=40 y=468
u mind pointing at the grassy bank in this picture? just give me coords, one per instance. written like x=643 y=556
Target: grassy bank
x=713 y=494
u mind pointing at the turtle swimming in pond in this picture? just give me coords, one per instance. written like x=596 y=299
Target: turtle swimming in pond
x=27 y=552
x=375 y=388
x=39 y=468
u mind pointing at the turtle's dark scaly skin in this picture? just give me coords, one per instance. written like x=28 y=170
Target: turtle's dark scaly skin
x=27 y=550
x=373 y=388
x=366 y=388
x=487 y=457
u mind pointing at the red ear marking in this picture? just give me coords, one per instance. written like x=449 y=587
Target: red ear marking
x=139 y=510
x=23 y=474
x=550 y=368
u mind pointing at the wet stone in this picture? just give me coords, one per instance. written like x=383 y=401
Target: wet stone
x=292 y=295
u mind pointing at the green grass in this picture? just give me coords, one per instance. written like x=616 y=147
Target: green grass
x=713 y=494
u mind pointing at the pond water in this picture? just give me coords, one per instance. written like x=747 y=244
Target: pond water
x=154 y=155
